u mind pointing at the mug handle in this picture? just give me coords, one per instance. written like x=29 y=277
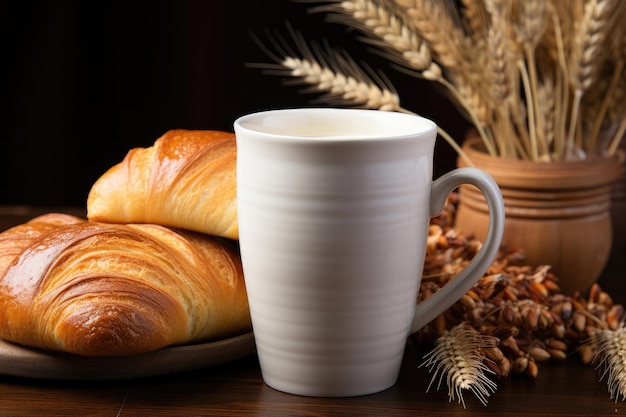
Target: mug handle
x=429 y=309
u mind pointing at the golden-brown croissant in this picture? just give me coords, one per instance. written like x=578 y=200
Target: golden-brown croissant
x=101 y=289
x=185 y=180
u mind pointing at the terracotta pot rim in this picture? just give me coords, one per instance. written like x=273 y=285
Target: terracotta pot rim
x=591 y=172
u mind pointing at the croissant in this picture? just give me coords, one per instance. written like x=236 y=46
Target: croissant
x=185 y=180
x=98 y=289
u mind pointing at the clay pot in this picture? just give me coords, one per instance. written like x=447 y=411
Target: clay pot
x=558 y=212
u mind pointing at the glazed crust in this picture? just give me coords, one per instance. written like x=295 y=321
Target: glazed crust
x=185 y=180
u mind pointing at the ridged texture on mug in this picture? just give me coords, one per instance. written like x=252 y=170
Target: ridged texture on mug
x=329 y=233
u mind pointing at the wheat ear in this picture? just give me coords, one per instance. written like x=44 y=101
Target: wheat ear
x=587 y=57
x=337 y=85
x=618 y=54
x=456 y=357
x=436 y=24
x=610 y=358
x=381 y=23
x=330 y=73
x=474 y=13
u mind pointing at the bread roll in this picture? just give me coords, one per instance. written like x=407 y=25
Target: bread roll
x=186 y=180
x=98 y=289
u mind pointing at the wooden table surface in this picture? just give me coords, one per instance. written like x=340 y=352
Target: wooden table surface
x=237 y=389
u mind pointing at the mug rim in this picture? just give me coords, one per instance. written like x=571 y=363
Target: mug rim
x=265 y=124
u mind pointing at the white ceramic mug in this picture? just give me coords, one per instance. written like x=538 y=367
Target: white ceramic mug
x=334 y=207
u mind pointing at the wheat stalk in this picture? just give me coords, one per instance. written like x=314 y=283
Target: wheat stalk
x=554 y=46
x=530 y=29
x=546 y=102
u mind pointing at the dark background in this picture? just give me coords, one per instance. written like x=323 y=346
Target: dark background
x=85 y=81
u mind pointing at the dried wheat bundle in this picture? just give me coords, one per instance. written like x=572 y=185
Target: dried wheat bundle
x=540 y=80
